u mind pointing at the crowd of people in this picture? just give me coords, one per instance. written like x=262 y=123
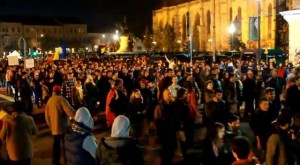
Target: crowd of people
x=167 y=98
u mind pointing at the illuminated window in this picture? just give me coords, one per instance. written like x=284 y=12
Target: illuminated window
x=13 y=30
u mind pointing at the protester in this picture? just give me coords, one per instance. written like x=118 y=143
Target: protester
x=80 y=143
x=57 y=114
x=17 y=132
x=119 y=148
x=242 y=152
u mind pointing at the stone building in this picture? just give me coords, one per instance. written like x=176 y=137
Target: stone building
x=34 y=30
x=209 y=16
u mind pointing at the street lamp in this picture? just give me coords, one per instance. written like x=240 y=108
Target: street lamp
x=231 y=31
x=258 y=29
x=116 y=37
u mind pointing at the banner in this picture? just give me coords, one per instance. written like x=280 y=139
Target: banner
x=253 y=28
x=13 y=60
x=29 y=63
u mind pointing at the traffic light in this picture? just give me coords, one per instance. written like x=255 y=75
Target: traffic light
x=186 y=47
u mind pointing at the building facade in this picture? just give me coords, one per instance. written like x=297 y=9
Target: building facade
x=211 y=19
x=39 y=35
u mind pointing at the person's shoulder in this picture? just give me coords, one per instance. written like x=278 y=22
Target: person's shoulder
x=274 y=137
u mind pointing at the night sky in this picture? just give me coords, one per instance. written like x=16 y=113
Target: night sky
x=100 y=15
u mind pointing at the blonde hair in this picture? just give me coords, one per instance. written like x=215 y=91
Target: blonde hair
x=89 y=79
x=133 y=93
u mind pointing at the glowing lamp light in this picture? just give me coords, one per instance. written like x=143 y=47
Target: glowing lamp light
x=231 y=28
x=116 y=37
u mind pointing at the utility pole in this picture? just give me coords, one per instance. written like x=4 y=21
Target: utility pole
x=214 y=31
x=258 y=31
x=189 y=34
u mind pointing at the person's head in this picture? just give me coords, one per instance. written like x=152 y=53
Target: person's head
x=143 y=83
x=109 y=74
x=120 y=127
x=181 y=93
x=97 y=72
x=119 y=83
x=24 y=75
x=151 y=85
x=84 y=119
x=56 y=89
x=234 y=123
x=217 y=131
x=270 y=93
x=274 y=73
x=174 y=80
x=284 y=119
x=219 y=94
x=167 y=95
x=263 y=104
x=115 y=76
x=232 y=77
x=249 y=74
x=209 y=85
x=136 y=95
x=170 y=72
x=19 y=106
x=89 y=79
x=240 y=148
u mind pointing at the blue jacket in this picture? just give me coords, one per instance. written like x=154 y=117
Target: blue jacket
x=75 y=154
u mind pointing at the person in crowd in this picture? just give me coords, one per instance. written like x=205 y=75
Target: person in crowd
x=50 y=81
x=279 y=145
x=191 y=100
x=136 y=112
x=78 y=94
x=274 y=105
x=249 y=94
x=24 y=89
x=261 y=124
x=185 y=120
x=165 y=82
x=220 y=113
x=119 y=148
x=9 y=80
x=293 y=95
x=45 y=92
x=259 y=88
x=90 y=94
x=68 y=87
x=144 y=91
x=57 y=113
x=80 y=143
x=242 y=152
x=103 y=87
x=203 y=75
x=213 y=148
x=37 y=90
x=217 y=83
x=275 y=83
x=210 y=99
x=116 y=102
x=174 y=87
x=165 y=121
x=17 y=131
x=231 y=94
